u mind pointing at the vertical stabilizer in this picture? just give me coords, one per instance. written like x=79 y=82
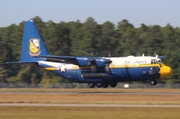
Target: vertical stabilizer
x=32 y=44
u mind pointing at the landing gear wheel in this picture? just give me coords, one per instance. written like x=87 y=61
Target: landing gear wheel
x=105 y=85
x=91 y=85
x=153 y=82
x=113 y=84
x=99 y=85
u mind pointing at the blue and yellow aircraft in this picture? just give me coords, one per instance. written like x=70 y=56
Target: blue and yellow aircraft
x=96 y=71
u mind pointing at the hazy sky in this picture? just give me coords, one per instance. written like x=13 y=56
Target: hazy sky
x=149 y=12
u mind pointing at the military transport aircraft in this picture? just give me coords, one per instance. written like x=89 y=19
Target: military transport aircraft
x=96 y=71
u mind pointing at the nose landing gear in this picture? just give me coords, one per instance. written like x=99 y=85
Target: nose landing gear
x=153 y=82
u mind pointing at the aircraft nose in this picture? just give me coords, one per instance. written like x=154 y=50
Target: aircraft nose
x=165 y=71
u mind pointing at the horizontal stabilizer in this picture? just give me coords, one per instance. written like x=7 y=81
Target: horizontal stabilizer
x=58 y=57
x=19 y=62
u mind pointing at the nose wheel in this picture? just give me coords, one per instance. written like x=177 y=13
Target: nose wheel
x=153 y=82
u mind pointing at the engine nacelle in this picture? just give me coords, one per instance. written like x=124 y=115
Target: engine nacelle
x=84 y=61
x=95 y=63
x=101 y=62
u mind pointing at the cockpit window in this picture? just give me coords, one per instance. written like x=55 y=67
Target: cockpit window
x=154 y=61
x=159 y=61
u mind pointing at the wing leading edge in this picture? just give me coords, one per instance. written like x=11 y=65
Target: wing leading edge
x=62 y=59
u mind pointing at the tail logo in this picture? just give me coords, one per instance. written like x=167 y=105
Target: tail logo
x=34 y=47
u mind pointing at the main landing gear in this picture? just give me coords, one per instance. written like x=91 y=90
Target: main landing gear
x=104 y=85
x=91 y=85
x=153 y=82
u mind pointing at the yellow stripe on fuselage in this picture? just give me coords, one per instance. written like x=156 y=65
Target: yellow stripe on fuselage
x=50 y=68
x=111 y=66
x=134 y=65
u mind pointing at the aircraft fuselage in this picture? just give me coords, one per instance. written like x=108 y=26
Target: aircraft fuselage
x=121 y=69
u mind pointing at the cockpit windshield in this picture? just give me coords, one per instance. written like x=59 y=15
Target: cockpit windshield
x=159 y=61
x=155 y=61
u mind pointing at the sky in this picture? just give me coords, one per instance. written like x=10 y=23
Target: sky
x=148 y=12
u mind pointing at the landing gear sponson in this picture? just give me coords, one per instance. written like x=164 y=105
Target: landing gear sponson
x=104 y=85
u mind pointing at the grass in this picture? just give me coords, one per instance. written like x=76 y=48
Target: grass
x=88 y=113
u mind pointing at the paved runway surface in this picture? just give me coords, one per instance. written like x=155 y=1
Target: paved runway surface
x=88 y=105
x=92 y=105
x=98 y=93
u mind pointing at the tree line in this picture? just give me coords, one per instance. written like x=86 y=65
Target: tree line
x=88 y=39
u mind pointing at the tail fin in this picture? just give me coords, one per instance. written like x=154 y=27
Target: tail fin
x=32 y=44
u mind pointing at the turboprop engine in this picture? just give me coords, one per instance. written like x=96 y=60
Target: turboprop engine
x=95 y=63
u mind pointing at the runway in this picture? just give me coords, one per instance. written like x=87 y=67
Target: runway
x=97 y=93
x=89 y=105
x=91 y=98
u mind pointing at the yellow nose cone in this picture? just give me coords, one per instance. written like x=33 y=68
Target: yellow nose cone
x=165 y=71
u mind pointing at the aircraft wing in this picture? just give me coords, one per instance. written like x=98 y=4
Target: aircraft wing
x=78 y=60
x=62 y=59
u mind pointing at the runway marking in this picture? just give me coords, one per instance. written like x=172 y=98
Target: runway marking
x=88 y=105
